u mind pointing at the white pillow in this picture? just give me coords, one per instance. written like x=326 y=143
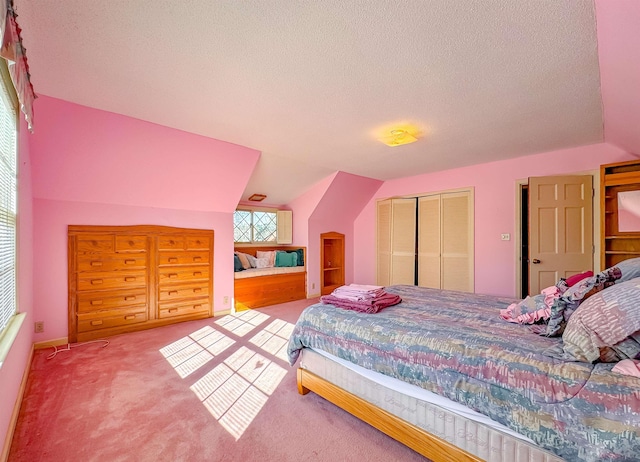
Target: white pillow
x=262 y=263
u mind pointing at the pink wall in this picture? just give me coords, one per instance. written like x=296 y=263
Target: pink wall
x=15 y=364
x=619 y=53
x=88 y=155
x=100 y=168
x=495 y=209
x=330 y=205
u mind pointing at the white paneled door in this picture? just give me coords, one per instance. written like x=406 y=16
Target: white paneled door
x=560 y=229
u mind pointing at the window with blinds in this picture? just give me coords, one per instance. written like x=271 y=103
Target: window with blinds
x=8 y=206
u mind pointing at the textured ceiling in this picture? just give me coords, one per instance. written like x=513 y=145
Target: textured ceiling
x=311 y=83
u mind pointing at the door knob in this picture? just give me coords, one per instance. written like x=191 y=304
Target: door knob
x=536 y=261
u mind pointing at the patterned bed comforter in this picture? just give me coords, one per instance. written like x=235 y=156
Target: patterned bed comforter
x=456 y=345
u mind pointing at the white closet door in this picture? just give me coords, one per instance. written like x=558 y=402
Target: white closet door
x=383 y=243
x=457 y=241
x=403 y=241
x=429 y=273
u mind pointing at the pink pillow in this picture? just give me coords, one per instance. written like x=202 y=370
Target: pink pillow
x=576 y=278
x=270 y=254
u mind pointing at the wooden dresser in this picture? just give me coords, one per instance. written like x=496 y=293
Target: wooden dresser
x=127 y=278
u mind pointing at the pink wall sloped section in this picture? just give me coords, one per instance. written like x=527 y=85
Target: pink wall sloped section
x=89 y=155
x=495 y=210
x=16 y=362
x=330 y=205
x=619 y=55
x=337 y=211
x=51 y=219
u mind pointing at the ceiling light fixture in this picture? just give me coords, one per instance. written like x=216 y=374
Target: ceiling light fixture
x=398 y=136
x=257 y=197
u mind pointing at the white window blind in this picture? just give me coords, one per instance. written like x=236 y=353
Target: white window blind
x=8 y=207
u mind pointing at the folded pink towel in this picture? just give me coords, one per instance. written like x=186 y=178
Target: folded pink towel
x=628 y=367
x=363 y=306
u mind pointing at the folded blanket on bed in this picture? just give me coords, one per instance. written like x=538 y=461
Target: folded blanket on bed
x=358 y=292
x=372 y=305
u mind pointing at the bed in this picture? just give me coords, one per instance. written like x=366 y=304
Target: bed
x=501 y=393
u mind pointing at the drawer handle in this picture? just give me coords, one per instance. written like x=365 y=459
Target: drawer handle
x=173 y=260
x=197 y=273
x=198 y=242
x=129 y=317
x=173 y=275
x=130 y=297
x=96 y=263
x=172 y=292
x=172 y=243
x=96 y=281
x=197 y=307
x=129 y=262
x=197 y=289
x=131 y=243
x=172 y=310
x=197 y=258
x=97 y=322
x=129 y=279
x=96 y=302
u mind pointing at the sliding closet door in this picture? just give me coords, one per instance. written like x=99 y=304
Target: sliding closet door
x=396 y=241
x=443 y=228
x=403 y=241
x=429 y=274
x=383 y=243
x=457 y=241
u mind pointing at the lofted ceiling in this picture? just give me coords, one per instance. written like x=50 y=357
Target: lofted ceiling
x=312 y=84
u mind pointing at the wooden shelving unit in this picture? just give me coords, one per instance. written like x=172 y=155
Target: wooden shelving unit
x=617 y=245
x=331 y=261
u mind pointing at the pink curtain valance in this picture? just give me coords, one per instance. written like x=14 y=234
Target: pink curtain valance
x=15 y=54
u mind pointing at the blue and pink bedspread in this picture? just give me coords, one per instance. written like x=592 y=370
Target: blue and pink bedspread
x=456 y=345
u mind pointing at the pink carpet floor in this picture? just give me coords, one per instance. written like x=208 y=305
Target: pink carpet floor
x=218 y=389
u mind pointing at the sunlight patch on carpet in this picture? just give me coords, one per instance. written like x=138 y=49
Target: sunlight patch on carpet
x=274 y=338
x=235 y=390
x=190 y=353
x=242 y=323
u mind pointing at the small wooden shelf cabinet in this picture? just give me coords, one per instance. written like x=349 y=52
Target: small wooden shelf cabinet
x=128 y=278
x=332 y=262
x=617 y=245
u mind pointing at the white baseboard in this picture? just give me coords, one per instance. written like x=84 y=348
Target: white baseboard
x=16 y=410
x=50 y=343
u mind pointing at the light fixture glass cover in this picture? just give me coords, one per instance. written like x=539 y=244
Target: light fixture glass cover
x=399 y=135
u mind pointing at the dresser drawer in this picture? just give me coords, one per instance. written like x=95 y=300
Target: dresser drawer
x=171 y=242
x=169 y=310
x=111 y=262
x=95 y=243
x=173 y=274
x=113 y=318
x=96 y=301
x=198 y=243
x=132 y=243
x=183 y=258
x=115 y=280
x=182 y=292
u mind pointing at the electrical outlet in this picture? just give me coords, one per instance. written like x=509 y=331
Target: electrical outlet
x=225 y=300
x=38 y=327
x=505 y=236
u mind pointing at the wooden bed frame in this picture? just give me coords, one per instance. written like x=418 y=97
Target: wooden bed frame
x=430 y=446
x=261 y=290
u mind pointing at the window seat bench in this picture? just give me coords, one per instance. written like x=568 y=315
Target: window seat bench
x=259 y=287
